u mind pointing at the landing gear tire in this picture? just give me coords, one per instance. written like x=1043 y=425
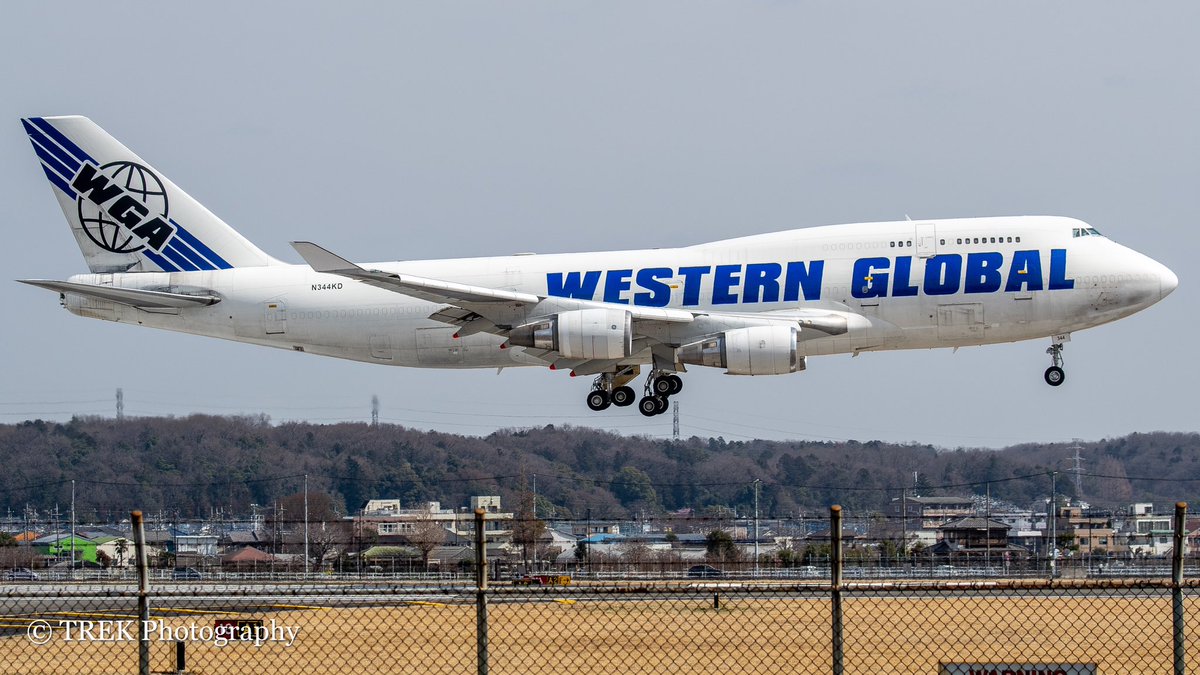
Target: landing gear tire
x=1055 y=376
x=663 y=404
x=663 y=385
x=676 y=384
x=598 y=400
x=648 y=406
x=623 y=396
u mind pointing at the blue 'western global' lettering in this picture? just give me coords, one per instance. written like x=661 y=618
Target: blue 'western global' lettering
x=951 y=273
x=792 y=282
x=728 y=284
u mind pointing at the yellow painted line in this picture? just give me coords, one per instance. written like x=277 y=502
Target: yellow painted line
x=565 y=602
x=88 y=615
x=181 y=610
x=15 y=625
x=426 y=604
x=296 y=607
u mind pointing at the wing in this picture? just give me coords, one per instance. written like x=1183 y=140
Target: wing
x=657 y=332
x=464 y=295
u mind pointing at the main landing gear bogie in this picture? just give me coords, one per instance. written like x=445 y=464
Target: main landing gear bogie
x=660 y=386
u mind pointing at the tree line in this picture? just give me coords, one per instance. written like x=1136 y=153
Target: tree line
x=196 y=466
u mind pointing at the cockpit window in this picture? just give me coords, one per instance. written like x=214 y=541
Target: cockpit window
x=1085 y=232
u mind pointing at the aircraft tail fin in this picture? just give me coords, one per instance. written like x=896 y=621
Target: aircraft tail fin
x=125 y=215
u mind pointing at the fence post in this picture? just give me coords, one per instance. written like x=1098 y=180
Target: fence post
x=1177 y=586
x=139 y=547
x=481 y=579
x=835 y=572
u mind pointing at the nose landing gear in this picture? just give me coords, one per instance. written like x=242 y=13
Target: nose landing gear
x=1055 y=375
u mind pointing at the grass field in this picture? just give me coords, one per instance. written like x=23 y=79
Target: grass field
x=677 y=635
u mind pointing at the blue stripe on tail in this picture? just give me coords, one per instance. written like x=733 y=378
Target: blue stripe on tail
x=50 y=147
x=199 y=246
x=62 y=140
x=58 y=181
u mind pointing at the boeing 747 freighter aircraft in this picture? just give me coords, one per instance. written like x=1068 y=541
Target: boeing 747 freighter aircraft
x=757 y=305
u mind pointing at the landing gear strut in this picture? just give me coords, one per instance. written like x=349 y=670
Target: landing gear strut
x=1054 y=374
x=606 y=391
x=660 y=386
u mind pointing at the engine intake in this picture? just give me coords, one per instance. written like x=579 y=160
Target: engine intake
x=757 y=350
x=580 y=334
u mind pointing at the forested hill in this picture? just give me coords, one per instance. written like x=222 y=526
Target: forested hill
x=194 y=465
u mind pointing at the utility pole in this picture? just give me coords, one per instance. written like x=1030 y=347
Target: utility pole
x=306 y=525
x=757 y=482
x=1053 y=522
x=987 y=526
x=120 y=404
x=374 y=410
x=72 y=528
x=533 y=525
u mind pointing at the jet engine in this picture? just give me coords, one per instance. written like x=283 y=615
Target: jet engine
x=580 y=334
x=757 y=350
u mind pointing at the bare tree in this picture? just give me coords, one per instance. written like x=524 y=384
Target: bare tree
x=527 y=529
x=426 y=535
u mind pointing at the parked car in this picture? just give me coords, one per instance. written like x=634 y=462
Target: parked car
x=704 y=572
x=186 y=574
x=21 y=574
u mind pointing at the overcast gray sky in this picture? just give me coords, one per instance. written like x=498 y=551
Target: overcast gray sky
x=408 y=131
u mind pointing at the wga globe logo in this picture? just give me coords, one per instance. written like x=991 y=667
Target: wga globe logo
x=122 y=207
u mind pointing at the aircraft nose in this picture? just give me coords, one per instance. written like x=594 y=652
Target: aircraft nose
x=1167 y=281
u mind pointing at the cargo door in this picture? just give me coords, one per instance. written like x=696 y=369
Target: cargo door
x=959 y=321
x=276 y=318
x=381 y=347
x=437 y=347
x=927 y=244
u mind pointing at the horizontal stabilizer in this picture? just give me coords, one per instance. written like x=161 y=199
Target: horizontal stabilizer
x=126 y=296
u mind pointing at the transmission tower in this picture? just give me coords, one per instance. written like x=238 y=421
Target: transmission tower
x=374 y=410
x=120 y=404
x=675 y=424
x=1077 y=469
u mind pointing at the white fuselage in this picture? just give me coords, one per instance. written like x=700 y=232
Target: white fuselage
x=921 y=284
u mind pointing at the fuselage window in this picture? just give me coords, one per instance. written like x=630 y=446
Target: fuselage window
x=910 y=243
x=943 y=242
x=976 y=240
x=892 y=243
x=1018 y=240
x=1010 y=240
x=960 y=240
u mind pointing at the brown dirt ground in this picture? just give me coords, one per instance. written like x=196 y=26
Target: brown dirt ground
x=882 y=635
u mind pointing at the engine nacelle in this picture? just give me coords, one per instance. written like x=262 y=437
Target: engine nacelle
x=580 y=334
x=758 y=350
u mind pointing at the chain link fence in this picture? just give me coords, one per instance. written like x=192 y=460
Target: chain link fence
x=701 y=627
x=904 y=622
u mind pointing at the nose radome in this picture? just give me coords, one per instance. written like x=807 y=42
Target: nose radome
x=1167 y=281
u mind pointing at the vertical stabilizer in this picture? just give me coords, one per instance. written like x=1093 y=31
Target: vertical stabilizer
x=125 y=215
